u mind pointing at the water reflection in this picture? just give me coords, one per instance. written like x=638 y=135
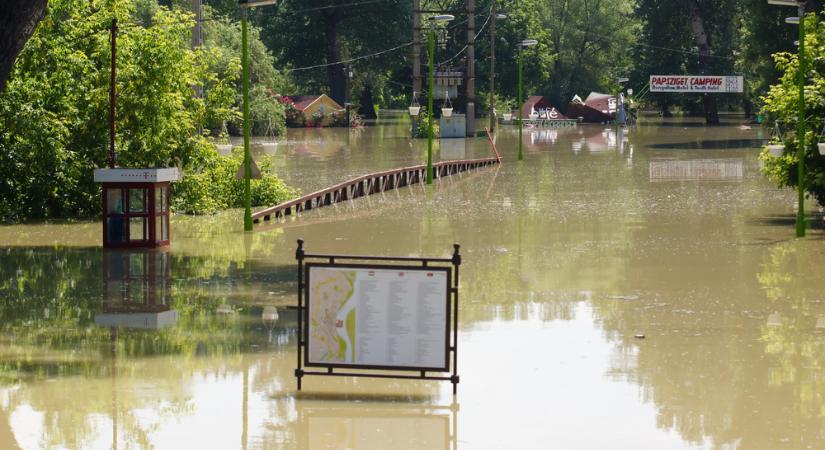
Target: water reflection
x=136 y=293
x=567 y=257
x=335 y=425
x=697 y=170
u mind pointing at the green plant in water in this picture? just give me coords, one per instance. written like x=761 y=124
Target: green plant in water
x=781 y=103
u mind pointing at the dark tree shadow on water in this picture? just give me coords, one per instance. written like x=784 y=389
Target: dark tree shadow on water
x=712 y=144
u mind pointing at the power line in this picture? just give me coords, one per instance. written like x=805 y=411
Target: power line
x=474 y=38
x=317 y=66
x=334 y=6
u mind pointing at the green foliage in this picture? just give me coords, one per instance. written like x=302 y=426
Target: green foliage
x=668 y=46
x=54 y=112
x=781 y=103
x=421 y=131
x=213 y=187
x=223 y=36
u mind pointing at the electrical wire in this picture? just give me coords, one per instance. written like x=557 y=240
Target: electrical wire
x=463 y=49
x=346 y=61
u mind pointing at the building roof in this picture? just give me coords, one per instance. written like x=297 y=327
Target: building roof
x=538 y=102
x=594 y=109
x=302 y=102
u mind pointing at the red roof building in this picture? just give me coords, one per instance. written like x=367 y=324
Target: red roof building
x=538 y=107
x=597 y=108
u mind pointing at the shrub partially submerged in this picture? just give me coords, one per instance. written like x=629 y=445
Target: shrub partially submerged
x=212 y=186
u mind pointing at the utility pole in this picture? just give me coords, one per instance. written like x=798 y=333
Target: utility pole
x=471 y=68
x=416 y=50
x=197 y=36
x=112 y=94
x=493 y=67
x=197 y=31
x=800 y=128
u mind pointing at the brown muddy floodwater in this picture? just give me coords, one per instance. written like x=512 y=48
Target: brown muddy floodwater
x=667 y=230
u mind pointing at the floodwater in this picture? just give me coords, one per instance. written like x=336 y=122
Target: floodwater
x=638 y=289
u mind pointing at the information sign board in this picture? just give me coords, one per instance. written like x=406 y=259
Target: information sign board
x=390 y=317
x=696 y=84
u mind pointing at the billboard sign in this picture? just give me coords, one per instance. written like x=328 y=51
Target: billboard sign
x=390 y=317
x=696 y=84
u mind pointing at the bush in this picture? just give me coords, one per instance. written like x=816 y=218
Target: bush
x=53 y=113
x=213 y=186
x=421 y=129
x=267 y=113
x=781 y=104
x=317 y=119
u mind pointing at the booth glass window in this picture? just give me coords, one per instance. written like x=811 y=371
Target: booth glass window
x=115 y=225
x=114 y=201
x=136 y=214
x=162 y=213
x=137 y=200
x=138 y=229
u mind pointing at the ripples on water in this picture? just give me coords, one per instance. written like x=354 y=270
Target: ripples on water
x=598 y=236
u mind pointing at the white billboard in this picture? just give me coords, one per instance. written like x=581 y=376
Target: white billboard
x=370 y=317
x=696 y=84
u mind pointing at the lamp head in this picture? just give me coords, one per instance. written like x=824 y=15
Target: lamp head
x=500 y=16
x=792 y=20
x=255 y=3
x=442 y=18
x=783 y=2
x=528 y=42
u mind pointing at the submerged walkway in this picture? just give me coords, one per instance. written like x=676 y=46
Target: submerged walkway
x=373 y=183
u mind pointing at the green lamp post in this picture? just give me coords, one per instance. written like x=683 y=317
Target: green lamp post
x=800 y=124
x=522 y=44
x=443 y=18
x=247 y=157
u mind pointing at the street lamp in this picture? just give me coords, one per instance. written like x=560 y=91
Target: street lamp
x=522 y=44
x=443 y=18
x=800 y=125
x=247 y=157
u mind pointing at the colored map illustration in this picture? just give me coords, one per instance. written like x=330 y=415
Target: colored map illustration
x=332 y=316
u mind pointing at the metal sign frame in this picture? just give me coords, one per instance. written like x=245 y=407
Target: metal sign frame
x=449 y=265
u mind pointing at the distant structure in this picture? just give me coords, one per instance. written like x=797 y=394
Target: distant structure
x=597 y=108
x=538 y=107
x=312 y=104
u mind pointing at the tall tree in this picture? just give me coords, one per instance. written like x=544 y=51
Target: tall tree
x=693 y=37
x=18 y=20
x=323 y=33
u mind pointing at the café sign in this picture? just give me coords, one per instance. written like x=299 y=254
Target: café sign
x=697 y=84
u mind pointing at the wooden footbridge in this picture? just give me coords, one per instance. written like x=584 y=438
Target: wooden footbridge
x=373 y=183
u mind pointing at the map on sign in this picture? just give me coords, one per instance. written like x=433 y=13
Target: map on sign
x=395 y=317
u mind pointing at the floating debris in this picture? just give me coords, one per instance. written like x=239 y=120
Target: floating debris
x=623 y=297
x=774 y=320
x=639 y=336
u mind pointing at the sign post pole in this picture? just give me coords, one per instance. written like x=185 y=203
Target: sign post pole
x=800 y=151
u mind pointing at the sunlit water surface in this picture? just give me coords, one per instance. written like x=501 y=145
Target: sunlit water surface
x=638 y=289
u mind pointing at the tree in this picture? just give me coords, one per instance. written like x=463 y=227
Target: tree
x=18 y=20
x=781 y=104
x=321 y=33
x=53 y=131
x=697 y=37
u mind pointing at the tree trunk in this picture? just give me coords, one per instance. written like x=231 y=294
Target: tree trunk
x=335 y=73
x=700 y=36
x=367 y=108
x=18 y=20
